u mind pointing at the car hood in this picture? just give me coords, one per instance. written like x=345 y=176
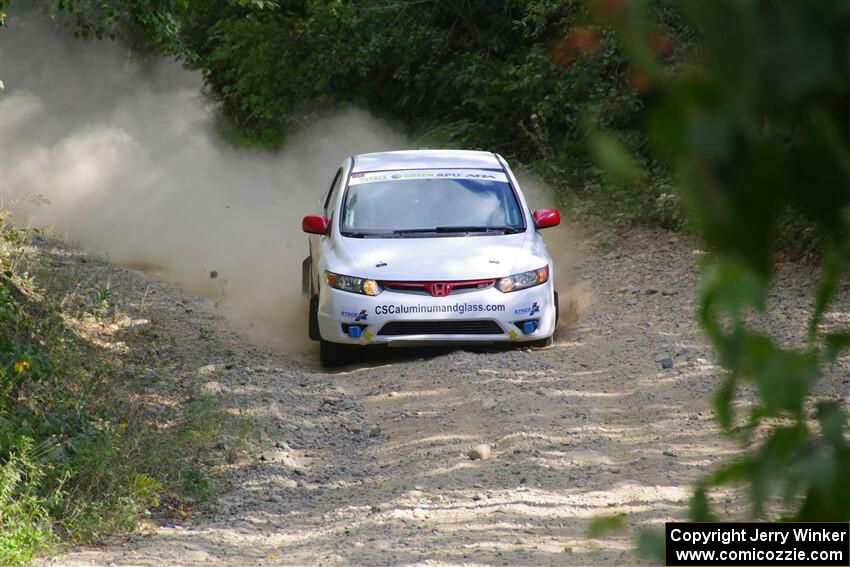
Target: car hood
x=446 y=258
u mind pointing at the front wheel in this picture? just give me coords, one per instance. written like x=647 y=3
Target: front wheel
x=542 y=343
x=335 y=354
x=313 y=319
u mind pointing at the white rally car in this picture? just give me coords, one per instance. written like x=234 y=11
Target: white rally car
x=427 y=247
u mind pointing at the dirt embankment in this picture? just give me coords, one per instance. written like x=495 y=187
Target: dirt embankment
x=369 y=465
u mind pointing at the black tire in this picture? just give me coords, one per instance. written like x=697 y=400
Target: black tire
x=542 y=343
x=313 y=319
x=335 y=354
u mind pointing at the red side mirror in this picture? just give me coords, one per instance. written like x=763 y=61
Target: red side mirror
x=544 y=218
x=315 y=224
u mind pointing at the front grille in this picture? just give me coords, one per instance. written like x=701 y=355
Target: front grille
x=400 y=328
x=415 y=290
x=422 y=288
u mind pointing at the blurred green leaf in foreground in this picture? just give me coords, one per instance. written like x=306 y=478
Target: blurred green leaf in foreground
x=757 y=127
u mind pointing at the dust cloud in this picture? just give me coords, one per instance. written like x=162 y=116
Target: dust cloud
x=121 y=155
x=563 y=243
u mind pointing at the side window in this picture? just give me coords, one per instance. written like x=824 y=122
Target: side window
x=332 y=192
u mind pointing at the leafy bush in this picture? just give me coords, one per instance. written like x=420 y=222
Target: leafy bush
x=78 y=462
x=60 y=450
x=759 y=133
x=25 y=525
x=527 y=79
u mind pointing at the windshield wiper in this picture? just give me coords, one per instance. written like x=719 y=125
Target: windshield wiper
x=502 y=229
x=455 y=229
x=413 y=230
x=365 y=234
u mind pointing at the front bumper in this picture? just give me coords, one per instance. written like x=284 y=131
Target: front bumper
x=485 y=316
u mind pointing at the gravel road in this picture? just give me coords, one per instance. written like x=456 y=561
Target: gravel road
x=370 y=465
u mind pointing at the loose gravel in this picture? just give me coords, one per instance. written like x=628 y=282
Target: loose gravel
x=384 y=462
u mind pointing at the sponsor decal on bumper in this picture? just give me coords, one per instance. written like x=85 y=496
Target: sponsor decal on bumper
x=356 y=315
x=533 y=310
x=458 y=308
x=341 y=309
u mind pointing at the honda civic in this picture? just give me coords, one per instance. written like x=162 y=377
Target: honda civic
x=427 y=247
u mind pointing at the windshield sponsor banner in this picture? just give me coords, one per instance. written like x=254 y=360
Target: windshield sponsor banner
x=407 y=175
x=457 y=308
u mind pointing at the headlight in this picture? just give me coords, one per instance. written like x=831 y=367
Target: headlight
x=352 y=284
x=524 y=280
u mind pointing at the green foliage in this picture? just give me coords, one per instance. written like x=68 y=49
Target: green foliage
x=527 y=79
x=101 y=301
x=522 y=78
x=605 y=525
x=76 y=460
x=759 y=131
x=61 y=462
x=474 y=72
x=24 y=523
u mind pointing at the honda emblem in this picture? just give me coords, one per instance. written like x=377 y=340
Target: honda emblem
x=440 y=289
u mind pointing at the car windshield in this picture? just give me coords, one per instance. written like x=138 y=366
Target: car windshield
x=429 y=202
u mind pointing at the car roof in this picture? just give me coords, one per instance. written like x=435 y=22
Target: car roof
x=425 y=159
